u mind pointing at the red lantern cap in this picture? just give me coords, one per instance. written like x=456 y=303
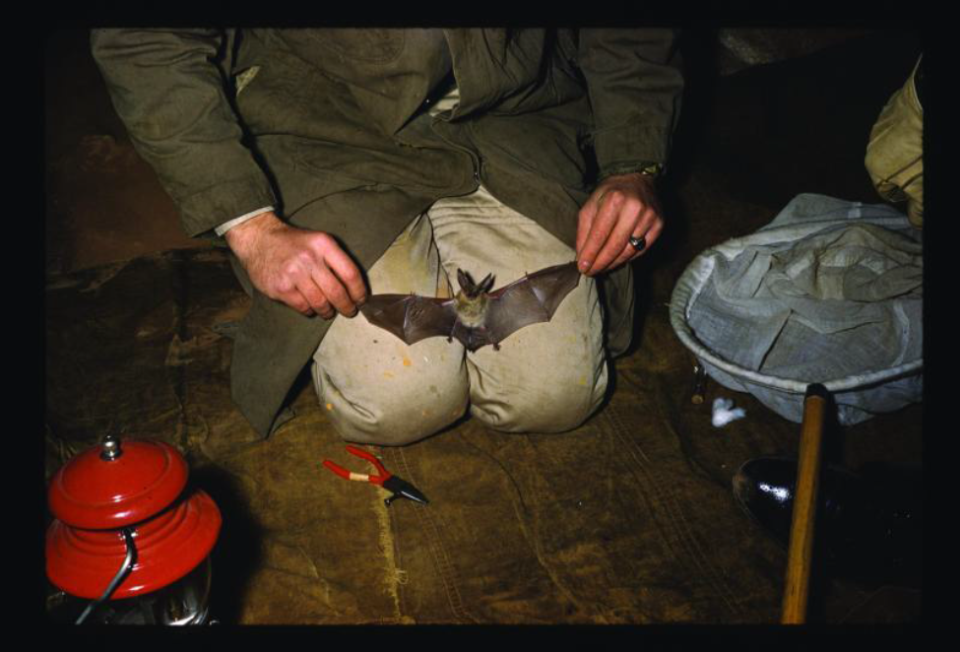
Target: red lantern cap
x=111 y=487
x=108 y=488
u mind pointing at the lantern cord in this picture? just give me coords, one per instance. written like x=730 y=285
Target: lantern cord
x=115 y=582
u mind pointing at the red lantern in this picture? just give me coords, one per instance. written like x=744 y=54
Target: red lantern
x=127 y=531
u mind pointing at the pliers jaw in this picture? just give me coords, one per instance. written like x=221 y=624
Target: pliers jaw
x=402 y=489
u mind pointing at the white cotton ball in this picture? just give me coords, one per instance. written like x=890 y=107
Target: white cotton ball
x=722 y=414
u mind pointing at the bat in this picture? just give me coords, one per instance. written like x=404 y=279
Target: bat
x=475 y=316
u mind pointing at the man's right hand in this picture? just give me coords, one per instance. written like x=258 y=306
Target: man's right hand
x=306 y=270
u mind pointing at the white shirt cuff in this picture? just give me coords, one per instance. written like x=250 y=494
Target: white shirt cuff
x=226 y=226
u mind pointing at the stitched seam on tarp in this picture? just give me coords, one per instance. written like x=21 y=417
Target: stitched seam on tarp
x=648 y=487
x=670 y=517
x=178 y=382
x=386 y=542
x=506 y=472
x=534 y=541
x=607 y=425
x=648 y=477
x=522 y=512
x=673 y=514
x=433 y=531
x=401 y=576
x=717 y=575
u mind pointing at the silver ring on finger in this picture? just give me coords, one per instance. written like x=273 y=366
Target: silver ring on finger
x=638 y=243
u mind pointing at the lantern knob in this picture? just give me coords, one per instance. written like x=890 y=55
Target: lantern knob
x=110 y=448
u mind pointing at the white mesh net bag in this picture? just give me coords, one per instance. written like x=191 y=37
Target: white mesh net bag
x=830 y=292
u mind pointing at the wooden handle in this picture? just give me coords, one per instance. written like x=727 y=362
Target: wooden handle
x=799 y=557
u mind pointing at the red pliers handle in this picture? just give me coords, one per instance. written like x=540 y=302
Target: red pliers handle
x=398 y=487
x=362 y=477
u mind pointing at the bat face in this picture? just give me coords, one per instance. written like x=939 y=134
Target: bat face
x=472 y=311
x=476 y=316
x=473 y=299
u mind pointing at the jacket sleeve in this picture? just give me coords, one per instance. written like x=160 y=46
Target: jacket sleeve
x=635 y=85
x=170 y=93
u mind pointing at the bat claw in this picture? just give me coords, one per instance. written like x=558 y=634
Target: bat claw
x=496 y=347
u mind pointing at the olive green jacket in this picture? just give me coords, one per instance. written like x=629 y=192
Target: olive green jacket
x=330 y=127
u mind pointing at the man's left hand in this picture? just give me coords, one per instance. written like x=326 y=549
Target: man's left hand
x=622 y=206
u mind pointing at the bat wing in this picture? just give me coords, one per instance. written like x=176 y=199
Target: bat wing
x=411 y=317
x=529 y=300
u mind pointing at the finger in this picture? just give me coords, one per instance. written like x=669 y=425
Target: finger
x=653 y=234
x=334 y=291
x=325 y=313
x=600 y=230
x=298 y=302
x=285 y=291
x=630 y=252
x=314 y=295
x=618 y=239
x=347 y=272
x=297 y=284
x=584 y=220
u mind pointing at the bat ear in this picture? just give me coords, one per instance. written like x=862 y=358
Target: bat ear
x=486 y=284
x=467 y=286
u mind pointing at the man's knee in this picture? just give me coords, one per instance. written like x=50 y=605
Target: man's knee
x=399 y=427
x=558 y=404
x=395 y=413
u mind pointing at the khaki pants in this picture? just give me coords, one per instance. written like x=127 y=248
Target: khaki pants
x=547 y=377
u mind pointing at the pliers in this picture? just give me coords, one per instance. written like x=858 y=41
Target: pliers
x=400 y=488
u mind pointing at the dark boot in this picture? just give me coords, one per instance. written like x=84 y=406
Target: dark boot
x=869 y=533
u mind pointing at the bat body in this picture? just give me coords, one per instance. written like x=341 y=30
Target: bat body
x=475 y=316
